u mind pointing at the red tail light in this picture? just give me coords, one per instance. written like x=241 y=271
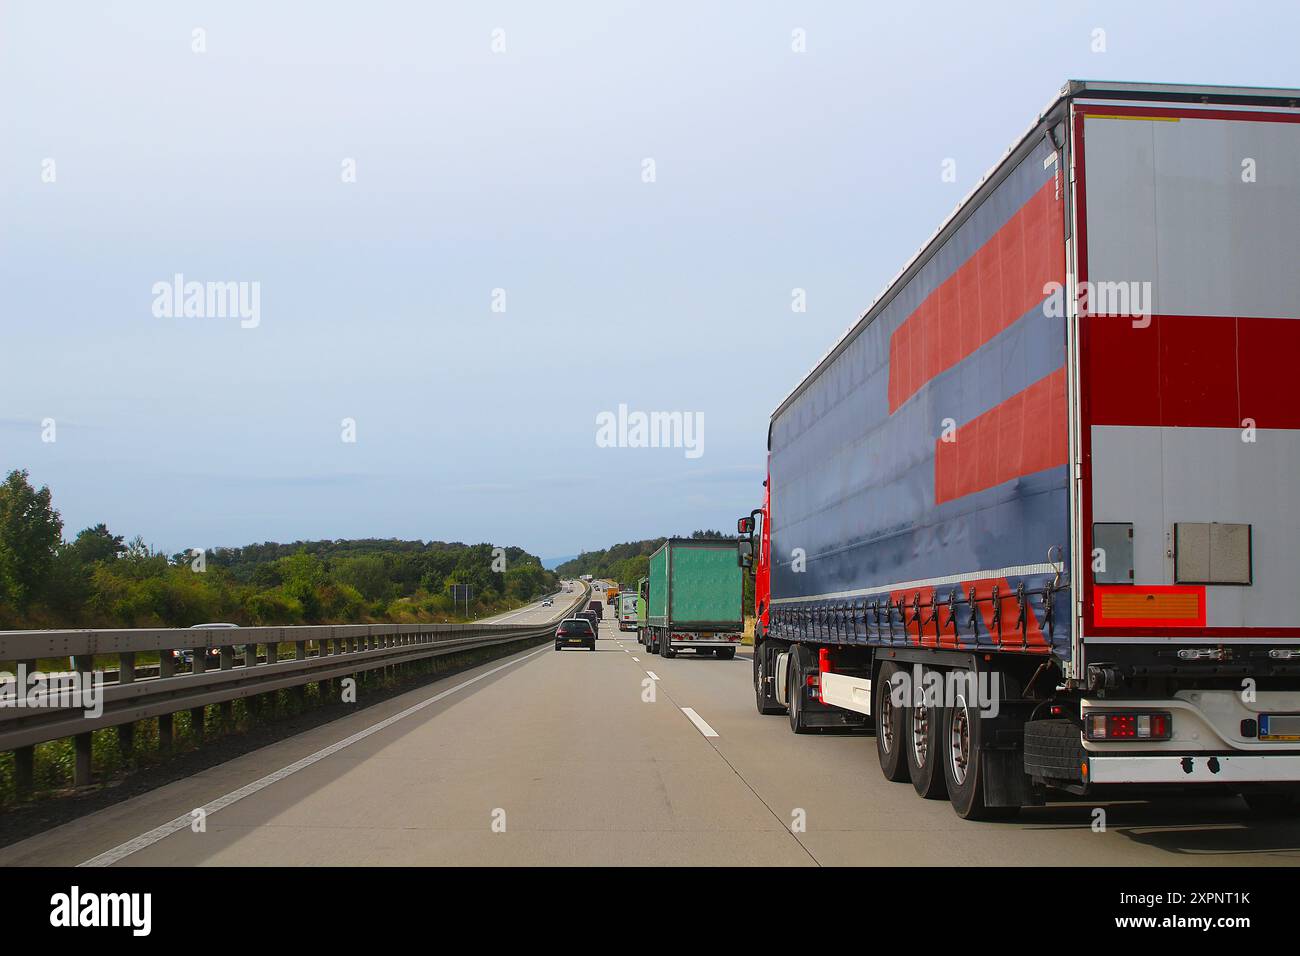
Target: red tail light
x=1127 y=725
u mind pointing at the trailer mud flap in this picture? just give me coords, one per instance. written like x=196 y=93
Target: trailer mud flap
x=1005 y=782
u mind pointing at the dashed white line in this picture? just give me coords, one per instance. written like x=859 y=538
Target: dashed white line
x=109 y=857
x=637 y=659
x=700 y=723
x=653 y=675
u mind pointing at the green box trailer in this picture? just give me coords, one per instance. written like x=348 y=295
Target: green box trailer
x=694 y=599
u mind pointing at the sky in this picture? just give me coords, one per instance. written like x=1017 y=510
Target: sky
x=475 y=228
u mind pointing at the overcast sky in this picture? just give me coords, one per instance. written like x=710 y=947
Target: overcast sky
x=524 y=170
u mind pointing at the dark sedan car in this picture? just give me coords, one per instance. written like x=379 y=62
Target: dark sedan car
x=575 y=632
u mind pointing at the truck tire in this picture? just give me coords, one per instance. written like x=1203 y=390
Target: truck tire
x=891 y=739
x=797 y=673
x=726 y=653
x=963 y=759
x=666 y=647
x=764 y=698
x=1054 y=751
x=923 y=734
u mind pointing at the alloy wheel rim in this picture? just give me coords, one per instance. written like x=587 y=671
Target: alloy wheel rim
x=959 y=743
x=886 y=731
x=921 y=734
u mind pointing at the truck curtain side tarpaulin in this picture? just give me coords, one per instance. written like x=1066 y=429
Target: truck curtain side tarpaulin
x=928 y=459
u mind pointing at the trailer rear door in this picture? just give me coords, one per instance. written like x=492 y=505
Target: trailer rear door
x=1189 y=369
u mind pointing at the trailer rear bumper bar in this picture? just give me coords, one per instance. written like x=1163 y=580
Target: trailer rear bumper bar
x=1195 y=768
x=686 y=641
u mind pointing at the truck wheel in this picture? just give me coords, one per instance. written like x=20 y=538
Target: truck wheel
x=890 y=735
x=726 y=653
x=764 y=699
x=795 y=691
x=666 y=647
x=923 y=736
x=962 y=757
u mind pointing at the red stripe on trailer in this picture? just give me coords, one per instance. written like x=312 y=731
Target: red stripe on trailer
x=997 y=285
x=921 y=630
x=1194 y=371
x=918 y=633
x=1027 y=433
x=1033 y=636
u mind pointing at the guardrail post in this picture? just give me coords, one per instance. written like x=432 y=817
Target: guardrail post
x=25 y=757
x=227 y=706
x=300 y=654
x=82 y=743
x=166 y=668
x=272 y=651
x=126 y=675
x=325 y=686
x=250 y=655
x=198 y=665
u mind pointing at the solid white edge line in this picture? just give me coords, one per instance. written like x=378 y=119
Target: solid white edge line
x=122 y=851
x=700 y=723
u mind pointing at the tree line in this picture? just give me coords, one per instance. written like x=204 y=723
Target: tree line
x=99 y=579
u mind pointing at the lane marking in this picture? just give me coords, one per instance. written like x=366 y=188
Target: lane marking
x=653 y=675
x=637 y=659
x=700 y=723
x=145 y=840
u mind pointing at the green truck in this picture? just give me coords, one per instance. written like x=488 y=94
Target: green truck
x=694 y=599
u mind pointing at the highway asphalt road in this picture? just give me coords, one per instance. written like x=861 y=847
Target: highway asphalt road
x=559 y=758
x=534 y=613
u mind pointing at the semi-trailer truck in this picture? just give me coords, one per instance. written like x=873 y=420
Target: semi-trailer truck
x=694 y=602
x=611 y=595
x=1036 y=515
x=627 y=620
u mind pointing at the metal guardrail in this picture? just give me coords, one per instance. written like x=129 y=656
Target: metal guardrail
x=321 y=653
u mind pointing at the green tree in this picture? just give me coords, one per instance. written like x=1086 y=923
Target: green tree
x=304 y=577
x=98 y=544
x=30 y=534
x=367 y=574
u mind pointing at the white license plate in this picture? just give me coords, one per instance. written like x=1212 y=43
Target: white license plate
x=1279 y=727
